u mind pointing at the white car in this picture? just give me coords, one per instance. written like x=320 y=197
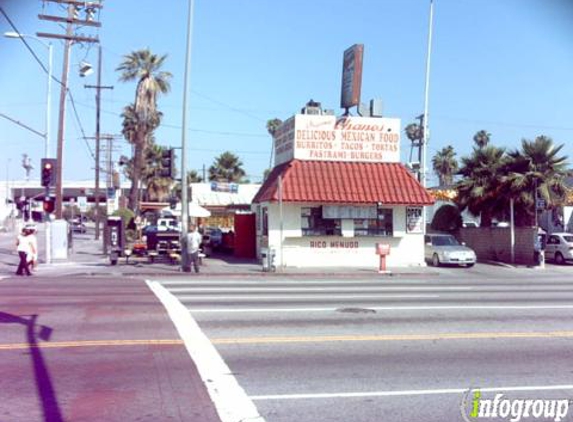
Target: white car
x=445 y=249
x=559 y=247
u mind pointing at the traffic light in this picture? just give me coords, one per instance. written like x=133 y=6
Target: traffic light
x=168 y=167
x=48 y=172
x=49 y=204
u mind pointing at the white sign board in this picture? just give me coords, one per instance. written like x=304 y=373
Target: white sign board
x=83 y=203
x=345 y=138
x=414 y=219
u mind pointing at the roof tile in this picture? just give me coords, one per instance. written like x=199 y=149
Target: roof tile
x=343 y=182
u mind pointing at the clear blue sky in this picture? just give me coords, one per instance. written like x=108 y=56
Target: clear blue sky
x=501 y=65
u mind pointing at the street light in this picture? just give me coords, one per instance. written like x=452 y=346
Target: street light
x=48 y=118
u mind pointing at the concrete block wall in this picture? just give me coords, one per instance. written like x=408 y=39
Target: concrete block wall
x=495 y=243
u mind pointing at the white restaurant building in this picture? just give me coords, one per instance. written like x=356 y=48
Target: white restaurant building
x=337 y=189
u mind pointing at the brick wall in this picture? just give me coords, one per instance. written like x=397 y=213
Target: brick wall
x=495 y=243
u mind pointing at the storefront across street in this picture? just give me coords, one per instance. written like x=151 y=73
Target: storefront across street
x=333 y=212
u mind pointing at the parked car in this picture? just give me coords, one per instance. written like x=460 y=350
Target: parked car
x=559 y=247
x=445 y=249
x=78 y=227
x=213 y=236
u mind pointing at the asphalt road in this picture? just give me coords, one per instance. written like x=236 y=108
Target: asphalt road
x=395 y=349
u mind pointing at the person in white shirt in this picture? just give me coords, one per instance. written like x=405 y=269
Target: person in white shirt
x=33 y=255
x=194 y=240
x=24 y=247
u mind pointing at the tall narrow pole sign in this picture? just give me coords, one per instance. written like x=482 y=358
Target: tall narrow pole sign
x=351 y=76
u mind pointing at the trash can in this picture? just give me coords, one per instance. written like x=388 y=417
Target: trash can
x=268 y=260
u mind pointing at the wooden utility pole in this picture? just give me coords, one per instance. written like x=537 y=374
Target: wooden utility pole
x=71 y=21
x=98 y=88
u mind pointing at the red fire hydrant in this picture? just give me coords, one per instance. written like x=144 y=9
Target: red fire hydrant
x=383 y=250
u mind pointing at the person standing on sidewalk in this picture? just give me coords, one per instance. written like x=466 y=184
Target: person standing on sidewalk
x=193 y=244
x=24 y=248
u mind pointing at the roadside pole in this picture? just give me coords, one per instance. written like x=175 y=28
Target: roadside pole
x=184 y=185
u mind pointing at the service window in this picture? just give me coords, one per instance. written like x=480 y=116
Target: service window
x=314 y=224
x=385 y=222
x=379 y=226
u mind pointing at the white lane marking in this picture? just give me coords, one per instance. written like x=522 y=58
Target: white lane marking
x=392 y=308
x=295 y=289
x=231 y=401
x=407 y=392
x=239 y=298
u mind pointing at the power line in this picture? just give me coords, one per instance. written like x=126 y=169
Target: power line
x=23 y=40
x=498 y=123
x=68 y=91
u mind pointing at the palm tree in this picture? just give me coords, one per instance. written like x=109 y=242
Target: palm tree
x=481 y=184
x=227 y=167
x=157 y=187
x=145 y=68
x=536 y=171
x=445 y=165
x=272 y=126
x=481 y=138
x=192 y=177
x=414 y=132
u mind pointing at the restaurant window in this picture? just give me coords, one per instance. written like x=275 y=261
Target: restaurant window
x=314 y=224
x=379 y=226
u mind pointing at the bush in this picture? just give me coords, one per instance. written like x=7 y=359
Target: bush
x=126 y=215
x=447 y=219
x=130 y=236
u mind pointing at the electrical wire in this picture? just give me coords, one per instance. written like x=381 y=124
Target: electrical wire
x=68 y=91
x=24 y=40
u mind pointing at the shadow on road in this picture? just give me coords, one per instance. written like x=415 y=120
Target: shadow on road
x=44 y=385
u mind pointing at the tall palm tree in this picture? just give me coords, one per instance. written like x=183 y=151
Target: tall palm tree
x=227 y=167
x=445 y=165
x=482 y=138
x=481 y=183
x=536 y=171
x=272 y=126
x=145 y=68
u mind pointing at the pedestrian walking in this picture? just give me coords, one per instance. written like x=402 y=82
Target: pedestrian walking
x=194 y=239
x=33 y=255
x=24 y=247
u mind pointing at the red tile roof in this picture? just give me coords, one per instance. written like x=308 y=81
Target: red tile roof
x=344 y=183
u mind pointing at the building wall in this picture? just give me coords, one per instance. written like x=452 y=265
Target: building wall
x=495 y=243
x=337 y=251
x=568 y=218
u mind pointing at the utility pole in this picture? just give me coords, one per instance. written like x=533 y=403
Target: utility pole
x=98 y=88
x=185 y=265
x=71 y=21
x=424 y=122
x=108 y=149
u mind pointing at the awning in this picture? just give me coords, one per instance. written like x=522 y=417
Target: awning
x=344 y=183
x=195 y=210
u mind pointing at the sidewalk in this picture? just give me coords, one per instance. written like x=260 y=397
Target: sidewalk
x=87 y=259
x=94 y=350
